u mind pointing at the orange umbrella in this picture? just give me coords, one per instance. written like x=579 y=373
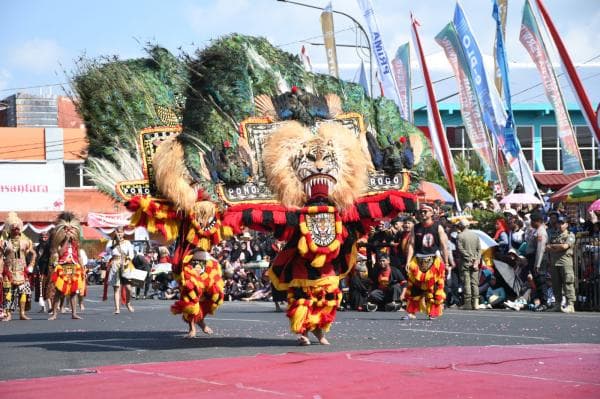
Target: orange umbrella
x=430 y=192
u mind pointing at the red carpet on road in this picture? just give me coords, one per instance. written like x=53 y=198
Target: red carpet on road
x=524 y=371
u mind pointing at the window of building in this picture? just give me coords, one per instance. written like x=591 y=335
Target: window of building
x=525 y=136
x=74 y=176
x=588 y=147
x=550 y=148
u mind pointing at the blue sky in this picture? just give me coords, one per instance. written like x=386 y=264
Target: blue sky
x=40 y=39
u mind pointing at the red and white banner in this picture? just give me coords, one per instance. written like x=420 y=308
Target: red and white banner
x=32 y=186
x=584 y=102
x=533 y=42
x=108 y=219
x=437 y=134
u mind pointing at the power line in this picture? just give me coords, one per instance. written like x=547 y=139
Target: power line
x=35 y=87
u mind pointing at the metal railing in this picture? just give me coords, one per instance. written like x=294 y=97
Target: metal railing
x=587 y=273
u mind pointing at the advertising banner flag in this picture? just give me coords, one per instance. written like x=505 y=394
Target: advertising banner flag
x=490 y=104
x=401 y=68
x=584 y=102
x=329 y=39
x=437 y=134
x=532 y=40
x=502 y=7
x=470 y=112
x=386 y=75
x=511 y=146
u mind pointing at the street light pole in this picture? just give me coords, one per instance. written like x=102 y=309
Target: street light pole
x=356 y=23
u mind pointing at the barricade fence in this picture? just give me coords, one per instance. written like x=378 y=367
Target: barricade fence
x=587 y=273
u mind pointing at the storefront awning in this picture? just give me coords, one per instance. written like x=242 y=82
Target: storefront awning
x=557 y=180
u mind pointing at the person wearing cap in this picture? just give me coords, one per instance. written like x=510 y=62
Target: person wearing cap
x=426 y=269
x=560 y=260
x=469 y=248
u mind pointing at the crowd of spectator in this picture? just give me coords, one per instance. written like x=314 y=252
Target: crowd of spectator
x=530 y=267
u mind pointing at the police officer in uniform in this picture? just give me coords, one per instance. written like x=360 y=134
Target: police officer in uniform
x=560 y=260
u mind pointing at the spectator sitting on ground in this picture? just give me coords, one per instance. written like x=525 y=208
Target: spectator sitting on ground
x=495 y=295
x=263 y=293
x=391 y=286
x=172 y=288
x=360 y=285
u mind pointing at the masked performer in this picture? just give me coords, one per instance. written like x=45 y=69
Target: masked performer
x=68 y=275
x=318 y=174
x=16 y=248
x=426 y=271
x=190 y=218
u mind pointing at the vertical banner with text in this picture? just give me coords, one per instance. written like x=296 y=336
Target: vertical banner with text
x=329 y=39
x=532 y=40
x=490 y=104
x=386 y=75
x=502 y=7
x=401 y=68
x=582 y=98
x=469 y=106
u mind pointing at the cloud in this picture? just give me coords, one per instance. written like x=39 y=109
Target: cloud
x=37 y=55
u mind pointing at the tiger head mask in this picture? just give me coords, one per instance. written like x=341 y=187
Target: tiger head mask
x=302 y=166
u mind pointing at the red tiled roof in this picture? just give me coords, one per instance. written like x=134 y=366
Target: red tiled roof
x=557 y=180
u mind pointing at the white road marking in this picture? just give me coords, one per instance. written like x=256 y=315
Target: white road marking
x=471 y=333
x=248 y=320
x=553 y=379
x=238 y=385
x=100 y=345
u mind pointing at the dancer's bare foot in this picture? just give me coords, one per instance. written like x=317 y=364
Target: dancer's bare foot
x=52 y=316
x=117 y=311
x=303 y=340
x=7 y=317
x=130 y=308
x=320 y=336
x=75 y=317
x=191 y=334
x=192 y=330
x=205 y=329
x=24 y=317
x=81 y=307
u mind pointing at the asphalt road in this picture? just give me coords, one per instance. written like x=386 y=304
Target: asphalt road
x=40 y=347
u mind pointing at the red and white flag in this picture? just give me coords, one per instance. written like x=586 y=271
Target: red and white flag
x=437 y=134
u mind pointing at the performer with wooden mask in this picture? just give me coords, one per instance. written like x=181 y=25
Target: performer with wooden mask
x=68 y=275
x=15 y=248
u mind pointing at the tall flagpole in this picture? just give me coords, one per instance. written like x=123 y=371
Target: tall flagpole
x=438 y=136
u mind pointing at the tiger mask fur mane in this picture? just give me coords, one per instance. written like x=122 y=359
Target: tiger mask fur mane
x=300 y=165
